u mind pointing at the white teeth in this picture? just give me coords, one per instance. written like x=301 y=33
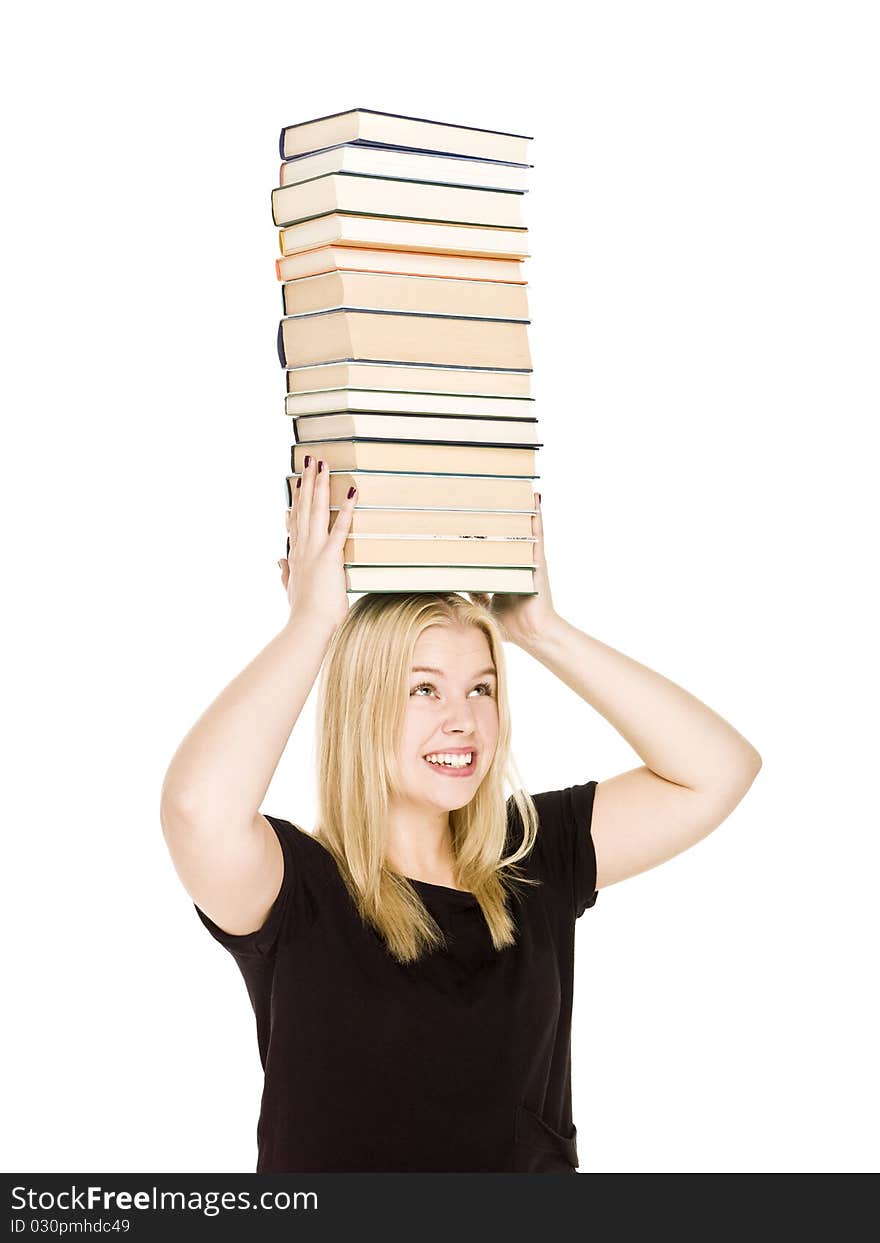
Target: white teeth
x=452 y=761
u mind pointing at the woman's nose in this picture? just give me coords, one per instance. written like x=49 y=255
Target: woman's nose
x=460 y=720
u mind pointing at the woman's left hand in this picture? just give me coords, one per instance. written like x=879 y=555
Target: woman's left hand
x=522 y=618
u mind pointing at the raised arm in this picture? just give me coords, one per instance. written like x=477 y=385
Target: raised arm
x=697 y=767
x=225 y=852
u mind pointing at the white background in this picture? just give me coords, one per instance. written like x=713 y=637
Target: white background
x=704 y=301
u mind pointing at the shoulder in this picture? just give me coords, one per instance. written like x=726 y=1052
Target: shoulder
x=302 y=849
x=563 y=854
x=557 y=811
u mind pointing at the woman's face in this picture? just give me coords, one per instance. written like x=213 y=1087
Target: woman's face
x=452 y=707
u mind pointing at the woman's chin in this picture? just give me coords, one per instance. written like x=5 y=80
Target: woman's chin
x=451 y=800
x=456 y=798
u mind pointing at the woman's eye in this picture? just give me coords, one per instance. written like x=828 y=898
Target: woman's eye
x=429 y=686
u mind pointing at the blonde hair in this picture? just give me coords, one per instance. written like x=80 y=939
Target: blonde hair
x=361 y=707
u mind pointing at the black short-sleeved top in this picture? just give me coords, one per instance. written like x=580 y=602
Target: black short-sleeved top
x=460 y=1062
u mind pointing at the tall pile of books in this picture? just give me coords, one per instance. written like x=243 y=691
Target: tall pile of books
x=405 y=345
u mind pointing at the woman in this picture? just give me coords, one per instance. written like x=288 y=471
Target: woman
x=410 y=964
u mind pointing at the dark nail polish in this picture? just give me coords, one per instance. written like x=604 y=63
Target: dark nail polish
x=320 y=466
x=308 y=458
x=351 y=492
x=539 y=497
x=299 y=481
x=287 y=554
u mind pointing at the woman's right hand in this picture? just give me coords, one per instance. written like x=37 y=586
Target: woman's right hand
x=312 y=573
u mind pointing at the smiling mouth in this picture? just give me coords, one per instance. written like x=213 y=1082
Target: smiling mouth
x=453 y=770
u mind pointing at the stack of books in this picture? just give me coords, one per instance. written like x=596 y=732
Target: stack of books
x=405 y=345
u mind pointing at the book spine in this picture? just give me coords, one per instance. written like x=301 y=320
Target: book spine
x=375 y=440
x=410 y=414
x=281 y=355
x=400 y=440
x=378 y=310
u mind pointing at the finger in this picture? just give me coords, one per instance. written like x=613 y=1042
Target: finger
x=320 y=515
x=304 y=501
x=291 y=518
x=538 y=530
x=542 y=580
x=342 y=525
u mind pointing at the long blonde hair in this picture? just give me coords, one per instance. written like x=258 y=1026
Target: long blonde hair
x=361 y=707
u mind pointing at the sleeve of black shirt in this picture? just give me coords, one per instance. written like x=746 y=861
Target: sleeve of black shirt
x=565 y=846
x=291 y=910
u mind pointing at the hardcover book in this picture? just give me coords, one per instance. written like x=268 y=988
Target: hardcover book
x=402 y=200
x=450 y=170
x=402 y=336
x=474 y=524
x=427 y=295
x=437 y=456
x=403 y=377
x=389 y=129
x=332 y=257
x=395 y=233
x=392 y=401
x=442 y=429
x=445 y=550
x=388 y=578
x=420 y=490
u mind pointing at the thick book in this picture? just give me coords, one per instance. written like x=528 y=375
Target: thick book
x=471 y=523
x=383 y=292
x=396 y=402
x=333 y=258
x=485 y=578
x=438 y=550
x=401 y=200
x=435 y=456
x=396 y=234
x=389 y=129
x=410 y=521
x=450 y=170
x=403 y=377
x=421 y=490
x=402 y=336
x=365 y=425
